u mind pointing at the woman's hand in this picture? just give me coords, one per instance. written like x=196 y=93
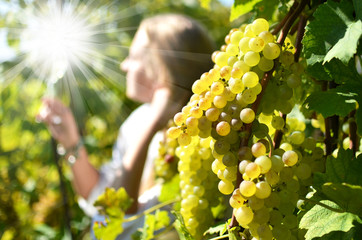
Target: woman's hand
x=60 y=122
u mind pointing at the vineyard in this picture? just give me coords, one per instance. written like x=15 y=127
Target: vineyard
x=268 y=146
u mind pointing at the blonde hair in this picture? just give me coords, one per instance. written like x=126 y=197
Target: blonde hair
x=179 y=51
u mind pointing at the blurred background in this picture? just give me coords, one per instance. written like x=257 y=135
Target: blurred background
x=36 y=198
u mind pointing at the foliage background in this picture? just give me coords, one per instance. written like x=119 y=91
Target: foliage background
x=31 y=201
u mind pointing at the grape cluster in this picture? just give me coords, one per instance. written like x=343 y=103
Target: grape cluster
x=265 y=184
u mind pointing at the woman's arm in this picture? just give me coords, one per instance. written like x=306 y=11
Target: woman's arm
x=63 y=128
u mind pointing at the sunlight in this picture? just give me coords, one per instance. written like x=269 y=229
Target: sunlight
x=56 y=38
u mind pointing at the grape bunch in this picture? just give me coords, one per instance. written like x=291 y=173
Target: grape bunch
x=266 y=185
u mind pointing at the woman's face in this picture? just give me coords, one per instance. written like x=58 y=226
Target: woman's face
x=140 y=86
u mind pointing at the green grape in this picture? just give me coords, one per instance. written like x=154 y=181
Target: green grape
x=179 y=118
x=275 y=217
x=236 y=85
x=251 y=58
x=242 y=166
x=236 y=72
x=221 y=59
x=309 y=143
x=264 y=163
x=290 y=158
x=242 y=66
x=226 y=187
x=286 y=58
x=232 y=49
x=225 y=72
x=256 y=44
x=255 y=203
x=286 y=146
x=247 y=115
x=230 y=173
x=250 y=79
x=184 y=139
x=236 y=36
x=249 y=96
x=232 y=60
x=260 y=25
x=266 y=36
x=280 y=232
x=273 y=201
x=198 y=87
x=258 y=149
x=229 y=159
x=263 y=190
x=272 y=177
x=290 y=221
x=278 y=122
x=261 y=215
x=252 y=170
x=271 y=51
x=217 y=88
x=266 y=64
x=286 y=174
x=293 y=81
x=244 y=215
x=236 y=200
x=257 y=89
x=285 y=92
x=223 y=128
x=221 y=147
x=244 y=44
x=212 y=114
x=293 y=185
x=205 y=103
x=196 y=112
x=303 y=171
x=296 y=137
x=220 y=101
x=236 y=124
x=173 y=132
x=265 y=232
x=247 y=188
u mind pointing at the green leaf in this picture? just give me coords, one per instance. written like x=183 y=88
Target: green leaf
x=170 y=190
x=109 y=231
x=332 y=29
x=343 y=169
x=331 y=102
x=320 y=221
x=240 y=7
x=335 y=70
x=347 y=196
x=219 y=229
x=181 y=227
x=162 y=219
x=350 y=39
x=234 y=233
x=149 y=227
x=266 y=8
x=112 y=198
x=353 y=234
x=358 y=8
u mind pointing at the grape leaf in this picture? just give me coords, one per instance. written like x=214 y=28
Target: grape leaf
x=334 y=70
x=347 y=196
x=332 y=29
x=353 y=234
x=162 y=219
x=240 y=7
x=181 y=227
x=114 y=199
x=331 y=102
x=343 y=169
x=266 y=8
x=219 y=229
x=110 y=230
x=358 y=8
x=320 y=221
x=234 y=233
x=149 y=227
x=170 y=190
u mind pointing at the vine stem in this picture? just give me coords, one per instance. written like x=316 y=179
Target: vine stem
x=277 y=29
x=323 y=205
x=264 y=82
x=152 y=209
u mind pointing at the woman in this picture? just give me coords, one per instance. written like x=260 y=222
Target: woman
x=168 y=53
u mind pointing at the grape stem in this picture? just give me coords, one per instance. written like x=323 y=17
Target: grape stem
x=323 y=205
x=152 y=209
x=279 y=133
x=220 y=237
x=277 y=29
